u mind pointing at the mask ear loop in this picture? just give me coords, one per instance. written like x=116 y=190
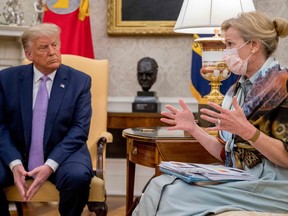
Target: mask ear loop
x=244 y=44
x=249 y=56
x=252 y=53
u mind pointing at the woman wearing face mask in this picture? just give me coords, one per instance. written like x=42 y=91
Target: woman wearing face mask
x=252 y=126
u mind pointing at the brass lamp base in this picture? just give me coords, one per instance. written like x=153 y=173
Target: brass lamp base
x=213 y=68
x=215 y=95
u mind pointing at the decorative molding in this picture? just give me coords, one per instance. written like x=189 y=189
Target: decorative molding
x=12 y=30
x=10 y=46
x=5 y=39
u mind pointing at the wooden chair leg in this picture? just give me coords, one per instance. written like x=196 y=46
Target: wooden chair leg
x=19 y=208
x=99 y=208
x=133 y=206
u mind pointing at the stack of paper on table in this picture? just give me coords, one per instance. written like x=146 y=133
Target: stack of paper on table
x=193 y=172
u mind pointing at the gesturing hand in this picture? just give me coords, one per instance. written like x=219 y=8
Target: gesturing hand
x=179 y=119
x=233 y=121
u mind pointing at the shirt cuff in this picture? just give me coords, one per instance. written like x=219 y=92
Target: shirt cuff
x=14 y=163
x=53 y=164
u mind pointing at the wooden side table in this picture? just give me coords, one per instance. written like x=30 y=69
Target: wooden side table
x=122 y=120
x=118 y=121
x=150 y=146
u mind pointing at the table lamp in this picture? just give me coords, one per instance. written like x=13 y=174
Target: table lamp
x=205 y=17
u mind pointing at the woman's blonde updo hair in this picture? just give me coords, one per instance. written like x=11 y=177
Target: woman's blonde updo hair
x=40 y=30
x=256 y=25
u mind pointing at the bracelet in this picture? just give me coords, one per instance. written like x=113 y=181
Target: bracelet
x=255 y=136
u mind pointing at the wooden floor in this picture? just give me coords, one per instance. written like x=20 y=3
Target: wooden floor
x=116 y=207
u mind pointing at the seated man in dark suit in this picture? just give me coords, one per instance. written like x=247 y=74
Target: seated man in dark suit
x=45 y=111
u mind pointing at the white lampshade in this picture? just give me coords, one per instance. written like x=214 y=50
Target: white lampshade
x=204 y=16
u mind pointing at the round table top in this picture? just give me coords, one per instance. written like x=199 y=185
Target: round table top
x=155 y=133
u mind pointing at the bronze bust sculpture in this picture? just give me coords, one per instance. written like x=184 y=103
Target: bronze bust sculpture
x=145 y=101
x=147 y=69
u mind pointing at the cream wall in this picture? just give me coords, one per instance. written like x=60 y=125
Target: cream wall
x=173 y=54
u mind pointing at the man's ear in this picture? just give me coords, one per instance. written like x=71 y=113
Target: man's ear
x=28 y=55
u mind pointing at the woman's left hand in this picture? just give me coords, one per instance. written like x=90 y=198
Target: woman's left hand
x=233 y=121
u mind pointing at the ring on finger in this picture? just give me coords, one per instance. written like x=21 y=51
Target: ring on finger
x=218 y=122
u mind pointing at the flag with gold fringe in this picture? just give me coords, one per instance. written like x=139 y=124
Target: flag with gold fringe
x=72 y=16
x=200 y=86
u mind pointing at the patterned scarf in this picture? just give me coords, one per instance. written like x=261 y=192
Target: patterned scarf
x=266 y=107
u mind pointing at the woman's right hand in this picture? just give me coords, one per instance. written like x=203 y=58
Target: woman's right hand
x=179 y=119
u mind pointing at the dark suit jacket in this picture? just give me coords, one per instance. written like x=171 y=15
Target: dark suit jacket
x=67 y=121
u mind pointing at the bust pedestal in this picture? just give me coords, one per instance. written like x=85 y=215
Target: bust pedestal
x=146 y=102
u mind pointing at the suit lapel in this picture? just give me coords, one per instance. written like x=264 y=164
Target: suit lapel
x=25 y=96
x=58 y=90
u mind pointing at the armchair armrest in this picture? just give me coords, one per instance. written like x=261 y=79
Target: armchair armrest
x=105 y=138
x=108 y=136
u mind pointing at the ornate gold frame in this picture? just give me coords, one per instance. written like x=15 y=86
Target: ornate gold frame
x=116 y=26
